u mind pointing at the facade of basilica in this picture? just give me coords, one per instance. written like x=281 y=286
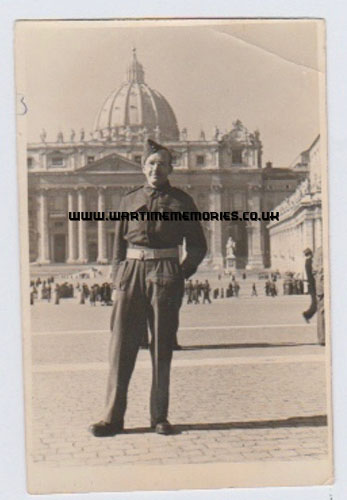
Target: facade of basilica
x=90 y=172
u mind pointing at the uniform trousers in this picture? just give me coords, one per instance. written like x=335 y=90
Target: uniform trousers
x=311 y=311
x=148 y=293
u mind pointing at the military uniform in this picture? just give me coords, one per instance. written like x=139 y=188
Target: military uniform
x=149 y=283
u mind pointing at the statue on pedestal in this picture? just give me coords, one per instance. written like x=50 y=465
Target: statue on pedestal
x=184 y=134
x=230 y=248
x=43 y=135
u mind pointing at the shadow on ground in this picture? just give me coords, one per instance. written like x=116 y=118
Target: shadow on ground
x=245 y=345
x=309 y=421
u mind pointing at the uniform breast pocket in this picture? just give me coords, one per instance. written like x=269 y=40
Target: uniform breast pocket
x=137 y=222
x=171 y=223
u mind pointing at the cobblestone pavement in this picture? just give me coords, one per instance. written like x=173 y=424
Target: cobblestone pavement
x=248 y=385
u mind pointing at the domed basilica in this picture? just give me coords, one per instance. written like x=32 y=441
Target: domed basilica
x=90 y=172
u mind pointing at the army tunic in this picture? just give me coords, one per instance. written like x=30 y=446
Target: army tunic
x=149 y=293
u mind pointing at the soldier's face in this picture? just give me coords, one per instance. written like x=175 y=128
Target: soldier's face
x=157 y=168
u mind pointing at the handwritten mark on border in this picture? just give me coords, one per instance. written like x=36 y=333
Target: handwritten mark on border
x=22 y=107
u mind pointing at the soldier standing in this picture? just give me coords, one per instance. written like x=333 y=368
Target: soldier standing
x=149 y=283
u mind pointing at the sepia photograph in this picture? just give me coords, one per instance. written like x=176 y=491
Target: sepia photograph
x=173 y=200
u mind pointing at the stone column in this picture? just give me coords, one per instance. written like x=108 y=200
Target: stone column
x=318 y=231
x=82 y=229
x=254 y=234
x=72 y=230
x=102 y=246
x=308 y=233
x=42 y=223
x=216 y=241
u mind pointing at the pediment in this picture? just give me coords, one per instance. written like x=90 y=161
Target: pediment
x=111 y=163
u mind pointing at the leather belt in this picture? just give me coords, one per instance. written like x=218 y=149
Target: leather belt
x=152 y=253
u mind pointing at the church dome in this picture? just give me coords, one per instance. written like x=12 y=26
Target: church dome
x=135 y=108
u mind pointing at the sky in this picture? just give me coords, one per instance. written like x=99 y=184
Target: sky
x=267 y=74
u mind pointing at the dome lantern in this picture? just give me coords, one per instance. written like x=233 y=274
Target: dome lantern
x=135 y=73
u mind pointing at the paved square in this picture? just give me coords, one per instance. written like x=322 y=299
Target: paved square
x=248 y=385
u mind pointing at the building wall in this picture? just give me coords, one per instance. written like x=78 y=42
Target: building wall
x=300 y=224
x=216 y=177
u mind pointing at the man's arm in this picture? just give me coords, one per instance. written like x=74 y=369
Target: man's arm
x=120 y=244
x=196 y=246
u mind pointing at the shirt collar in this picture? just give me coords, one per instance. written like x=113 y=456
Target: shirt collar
x=151 y=191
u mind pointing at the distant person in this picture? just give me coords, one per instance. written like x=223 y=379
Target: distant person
x=273 y=289
x=230 y=290
x=56 y=294
x=81 y=295
x=319 y=281
x=196 y=292
x=92 y=296
x=254 y=290
x=206 y=292
x=311 y=285
x=189 y=291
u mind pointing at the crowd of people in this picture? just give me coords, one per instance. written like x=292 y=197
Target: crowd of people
x=202 y=290
x=95 y=293
x=270 y=288
x=293 y=286
x=49 y=290
x=196 y=291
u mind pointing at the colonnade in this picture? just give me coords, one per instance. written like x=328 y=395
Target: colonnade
x=292 y=236
x=77 y=249
x=77 y=235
